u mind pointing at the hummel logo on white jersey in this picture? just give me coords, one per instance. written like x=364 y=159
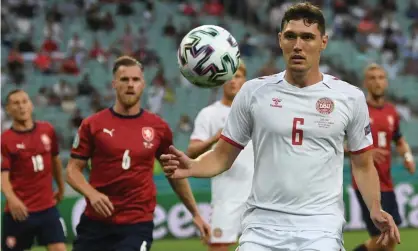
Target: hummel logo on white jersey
x=110 y=132
x=20 y=146
x=276 y=102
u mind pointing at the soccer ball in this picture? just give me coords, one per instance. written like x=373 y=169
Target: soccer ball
x=208 y=56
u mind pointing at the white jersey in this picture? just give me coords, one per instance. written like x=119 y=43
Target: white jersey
x=233 y=185
x=298 y=136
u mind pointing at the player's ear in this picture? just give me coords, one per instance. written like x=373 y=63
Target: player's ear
x=279 y=37
x=113 y=84
x=324 y=42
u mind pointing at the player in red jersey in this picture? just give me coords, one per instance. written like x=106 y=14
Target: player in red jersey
x=122 y=143
x=384 y=121
x=29 y=161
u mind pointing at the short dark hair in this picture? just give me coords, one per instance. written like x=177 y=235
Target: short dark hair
x=309 y=13
x=12 y=92
x=125 y=61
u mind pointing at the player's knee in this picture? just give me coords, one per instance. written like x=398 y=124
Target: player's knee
x=219 y=247
x=57 y=247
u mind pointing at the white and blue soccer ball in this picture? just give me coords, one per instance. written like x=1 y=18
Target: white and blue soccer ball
x=208 y=56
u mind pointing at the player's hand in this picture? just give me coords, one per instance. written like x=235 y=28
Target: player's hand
x=203 y=227
x=18 y=210
x=101 y=204
x=387 y=226
x=409 y=163
x=410 y=166
x=59 y=194
x=176 y=164
x=380 y=155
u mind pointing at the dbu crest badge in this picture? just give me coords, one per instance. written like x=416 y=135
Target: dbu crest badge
x=325 y=106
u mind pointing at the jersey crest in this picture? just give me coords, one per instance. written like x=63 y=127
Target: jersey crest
x=325 y=106
x=391 y=121
x=148 y=133
x=46 y=141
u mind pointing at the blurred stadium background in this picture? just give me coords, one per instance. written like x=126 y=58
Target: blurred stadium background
x=61 y=51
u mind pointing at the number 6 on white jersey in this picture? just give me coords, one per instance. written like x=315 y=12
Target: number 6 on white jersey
x=126 y=160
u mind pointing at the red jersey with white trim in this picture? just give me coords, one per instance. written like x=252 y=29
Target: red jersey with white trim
x=122 y=150
x=27 y=155
x=385 y=122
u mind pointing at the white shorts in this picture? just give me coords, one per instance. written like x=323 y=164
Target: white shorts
x=263 y=239
x=226 y=222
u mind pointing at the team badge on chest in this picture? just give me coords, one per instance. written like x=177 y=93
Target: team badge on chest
x=325 y=106
x=46 y=141
x=148 y=135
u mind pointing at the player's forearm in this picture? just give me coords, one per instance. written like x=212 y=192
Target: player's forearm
x=183 y=190
x=57 y=172
x=76 y=180
x=403 y=149
x=367 y=181
x=197 y=148
x=6 y=187
x=210 y=164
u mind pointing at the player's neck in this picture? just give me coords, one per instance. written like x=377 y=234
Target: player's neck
x=376 y=102
x=127 y=111
x=226 y=101
x=22 y=126
x=303 y=79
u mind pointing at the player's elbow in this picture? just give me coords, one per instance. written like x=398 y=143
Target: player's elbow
x=74 y=169
x=225 y=155
x=69 y=174
x=362 y=162
x=194 y=149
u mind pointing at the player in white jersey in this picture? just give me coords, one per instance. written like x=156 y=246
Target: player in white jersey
x=297 y=121
x=230 y=190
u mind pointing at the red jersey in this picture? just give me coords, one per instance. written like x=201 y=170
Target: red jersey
x=27 y=155
x=122 y=150
x=385 y=129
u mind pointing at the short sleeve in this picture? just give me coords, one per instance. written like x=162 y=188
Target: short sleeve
x=359 y=133
x=54 y=143
x=397 y=134
x=201 y=129
x=83 y=142
x=166 y=141
x=238 y=127
x=5 y=157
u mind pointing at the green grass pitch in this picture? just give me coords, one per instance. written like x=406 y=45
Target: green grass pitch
x=409 y=238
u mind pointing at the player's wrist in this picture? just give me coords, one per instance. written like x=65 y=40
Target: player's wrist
x=376 y=207
x=408 y=157
x=11 y=197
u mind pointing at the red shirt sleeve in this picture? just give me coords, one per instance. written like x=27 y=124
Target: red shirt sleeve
x=5 y=157
x=397 y=129
x=83 y=142
x=166 y=141
x=55 y=150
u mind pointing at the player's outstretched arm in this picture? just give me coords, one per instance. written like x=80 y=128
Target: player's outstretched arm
x=184 y=191
x=18 y=210
x=59 y=179
x=404 y=150
x=177 y=164
x=367 y=180
x=76 y=180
